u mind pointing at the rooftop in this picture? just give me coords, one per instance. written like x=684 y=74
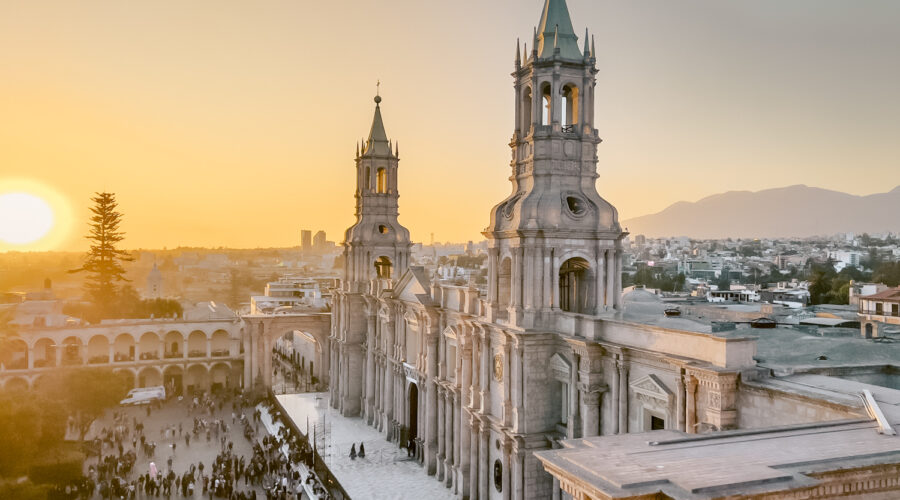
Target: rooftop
x=891 y=294
x=686 y=466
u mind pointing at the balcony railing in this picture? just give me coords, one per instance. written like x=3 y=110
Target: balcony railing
x=197 y=354
x=149 y=355
x=221 y=353
x=173 y=355
x=569 y=129
x=44 y=363
x=122 y=357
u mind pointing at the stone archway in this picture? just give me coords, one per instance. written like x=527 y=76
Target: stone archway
x=262 y=330
x=413 y=407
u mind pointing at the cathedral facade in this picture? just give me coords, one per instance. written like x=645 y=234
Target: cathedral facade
x=477 y=382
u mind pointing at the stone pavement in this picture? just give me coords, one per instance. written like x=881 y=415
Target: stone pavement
x=200 y=450
x=384 y=473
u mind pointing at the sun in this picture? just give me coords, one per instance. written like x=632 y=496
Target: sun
x=24 y=218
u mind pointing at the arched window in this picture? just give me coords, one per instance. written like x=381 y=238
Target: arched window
x=383 y=268
x=368 y=178
x=575 y=286
x=546 y=105
x=382 y=181
x=570 y=105
x=527 y=105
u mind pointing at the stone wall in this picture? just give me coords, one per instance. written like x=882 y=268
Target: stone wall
x=765 y=407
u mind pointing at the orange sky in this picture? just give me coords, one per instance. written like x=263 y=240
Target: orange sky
x=234 y=123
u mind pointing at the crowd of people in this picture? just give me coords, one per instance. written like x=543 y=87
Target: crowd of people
x=271 y=468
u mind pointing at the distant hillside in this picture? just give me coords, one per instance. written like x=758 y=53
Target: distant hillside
x=782 y=212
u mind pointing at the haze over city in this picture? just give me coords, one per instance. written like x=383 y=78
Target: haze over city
x=495 y=250
x=224 y=123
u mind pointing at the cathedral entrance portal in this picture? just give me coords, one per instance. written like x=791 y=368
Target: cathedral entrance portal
x=413 y=412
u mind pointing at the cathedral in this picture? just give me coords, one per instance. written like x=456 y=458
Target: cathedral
x=476 y=382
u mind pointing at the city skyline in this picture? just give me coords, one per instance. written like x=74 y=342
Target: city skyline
x=189 y=113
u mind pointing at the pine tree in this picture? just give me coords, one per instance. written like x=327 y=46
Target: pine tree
x=104 y=261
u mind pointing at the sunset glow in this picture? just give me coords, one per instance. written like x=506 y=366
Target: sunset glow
x=32 y=216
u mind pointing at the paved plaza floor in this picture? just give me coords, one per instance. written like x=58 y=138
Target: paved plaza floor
x=384 y=473
x=200 y=450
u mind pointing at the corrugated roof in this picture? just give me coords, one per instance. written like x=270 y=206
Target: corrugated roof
x=889 y=294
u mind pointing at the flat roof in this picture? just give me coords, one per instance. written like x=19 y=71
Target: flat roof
x=685 y=466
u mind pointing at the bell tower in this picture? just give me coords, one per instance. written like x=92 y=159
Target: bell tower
x=376 y=246
x=555 y=244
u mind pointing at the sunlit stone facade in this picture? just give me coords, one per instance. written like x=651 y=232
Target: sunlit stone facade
x=479 y=381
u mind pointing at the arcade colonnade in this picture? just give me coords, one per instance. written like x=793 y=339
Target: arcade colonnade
x=184 y=355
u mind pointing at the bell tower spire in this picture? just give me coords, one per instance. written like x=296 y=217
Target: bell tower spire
x=376 y=246
x=555 y=244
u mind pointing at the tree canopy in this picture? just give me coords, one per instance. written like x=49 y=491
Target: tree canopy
x=103 y=262
x=86 y=392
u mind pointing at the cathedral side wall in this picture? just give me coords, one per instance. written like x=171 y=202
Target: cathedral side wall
x=765 y=407
x=542 y=395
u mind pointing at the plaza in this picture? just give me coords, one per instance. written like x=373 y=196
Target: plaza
x=386 y=472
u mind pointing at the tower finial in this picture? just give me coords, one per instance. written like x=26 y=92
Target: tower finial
x=518 y=53
x=377 y=92
x=586 y=55
x=593 y=49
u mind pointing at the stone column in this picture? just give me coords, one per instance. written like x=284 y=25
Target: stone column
x=267 y=360
x=515 y=280
x=691 y=406
x=112 y=353
x=601 y=283
x=507 y=471
x=369 y=407
x=614 y=399
x=473 y=463
x=519 y=410
x=31 y=358
x=518 y=491
x=610 y=279
x=448 y=436
x=573 y=398
x=493 y=258
x=431 y=404
x=623 y=398
x=507 y=383
x=555 y=100
x=58 y=350
x=556 y=495
x=528 y=261
x=554 y=278
x=680 y=401
x=208 y=347
x=248 y=358
x=441 y=432
x=590 y=420
x=484 y=472
x=486 y=355
x=618 y=281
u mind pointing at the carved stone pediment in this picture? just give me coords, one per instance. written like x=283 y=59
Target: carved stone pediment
x=651 y=387
x=560 y=367
x=450 y=333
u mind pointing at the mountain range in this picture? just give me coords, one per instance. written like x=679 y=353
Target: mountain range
x=793 y=211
